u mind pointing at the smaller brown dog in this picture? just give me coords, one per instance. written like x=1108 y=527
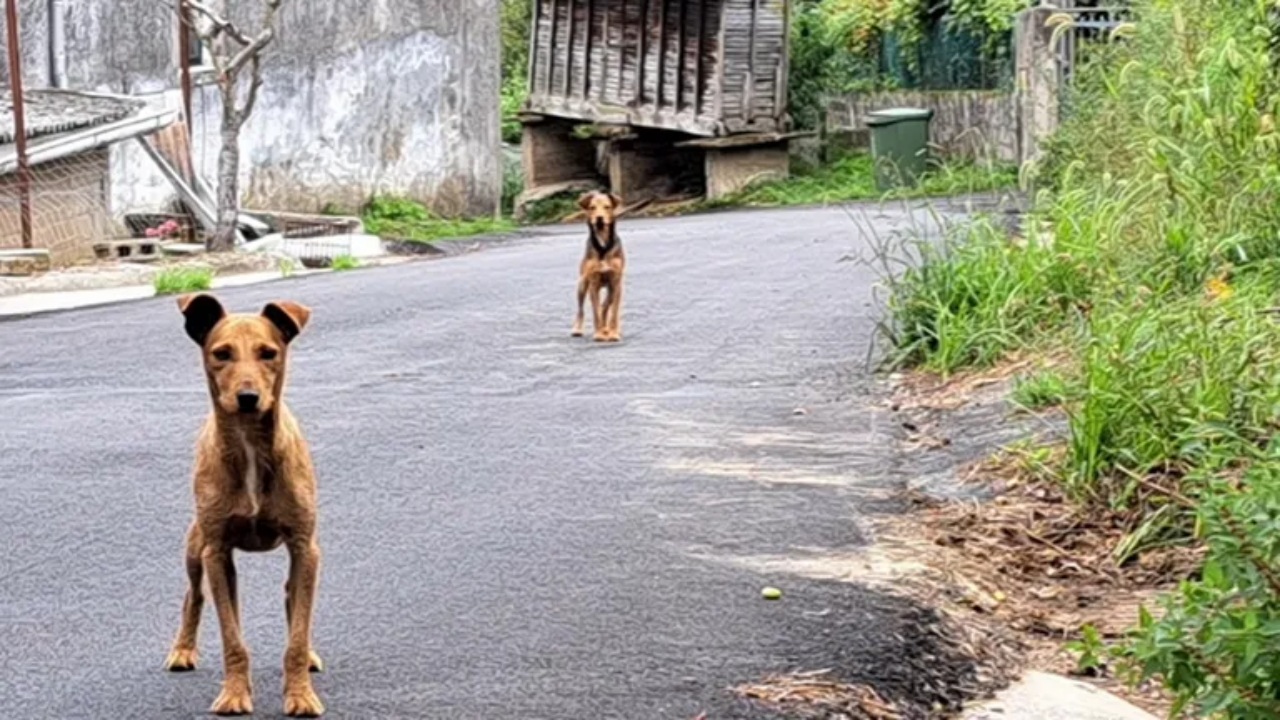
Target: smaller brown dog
x=255 y=490
x=602 y=268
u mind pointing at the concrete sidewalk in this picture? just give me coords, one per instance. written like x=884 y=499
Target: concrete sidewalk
x=1041 y=696
x=35 y=303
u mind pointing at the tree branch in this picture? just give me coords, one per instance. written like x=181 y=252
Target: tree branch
x=220 y=24
x=250 y=51
x=255 y=72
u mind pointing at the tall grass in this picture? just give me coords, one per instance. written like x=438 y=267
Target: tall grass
x=181 y=280
x=1159 y=272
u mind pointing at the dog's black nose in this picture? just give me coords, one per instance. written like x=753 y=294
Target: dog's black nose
x=247 y=400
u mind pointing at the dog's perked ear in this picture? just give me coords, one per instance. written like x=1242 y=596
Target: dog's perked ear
x=289 y=317
x=203 y=313
x=617 y=201
x=584 y=202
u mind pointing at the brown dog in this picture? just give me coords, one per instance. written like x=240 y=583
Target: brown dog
x=254 y=491
x=602 y=267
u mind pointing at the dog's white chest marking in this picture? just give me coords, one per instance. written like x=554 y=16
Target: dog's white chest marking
x=252 y=483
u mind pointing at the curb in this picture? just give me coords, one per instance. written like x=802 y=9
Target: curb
x=16 y=307
x=1042 y=696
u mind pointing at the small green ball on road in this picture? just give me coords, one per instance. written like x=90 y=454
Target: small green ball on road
x=771 y=593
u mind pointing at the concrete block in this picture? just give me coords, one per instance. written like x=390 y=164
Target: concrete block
x=731 y=170
x=24 y=262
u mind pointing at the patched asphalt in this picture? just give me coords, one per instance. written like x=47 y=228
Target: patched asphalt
x=515 y=523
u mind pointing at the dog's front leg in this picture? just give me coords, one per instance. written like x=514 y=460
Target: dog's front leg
x=300 y=699
x=615 y=314
x=598 y=310
x=183 y=656
x=582 y=299
x=237 y=691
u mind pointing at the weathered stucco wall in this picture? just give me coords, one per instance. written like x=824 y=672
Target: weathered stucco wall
x=360 y=98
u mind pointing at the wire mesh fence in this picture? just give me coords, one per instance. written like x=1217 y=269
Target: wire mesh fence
x=70 y=207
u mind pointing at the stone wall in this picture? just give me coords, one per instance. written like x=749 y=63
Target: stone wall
x=396 y=97
x=969 y=124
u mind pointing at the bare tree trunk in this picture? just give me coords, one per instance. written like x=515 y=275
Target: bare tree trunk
x=220 y=37
x=224 y=235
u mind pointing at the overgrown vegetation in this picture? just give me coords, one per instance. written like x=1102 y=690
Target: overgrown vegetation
x=342 y=263
x=516 y=18
x=843 y=46
x=180 y=280
x=404 y=219
x=1154 y=256
x=853 y=178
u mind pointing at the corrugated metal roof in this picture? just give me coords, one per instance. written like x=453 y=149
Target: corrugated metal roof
x=50 y=112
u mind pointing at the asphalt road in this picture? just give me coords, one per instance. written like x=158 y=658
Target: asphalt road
x=516 y=524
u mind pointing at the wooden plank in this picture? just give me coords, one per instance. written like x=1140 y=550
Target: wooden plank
x=662 y=52
x=748 y=101
x=606 y=47
x=622 y=49
x=535 y=31
x=743 y=140
x=721 y=64
x=699 y=80
x=680 y=63
x=642 y=55
x=569 y=48
x=205 y=215
x=591 y=33
x=551 y=47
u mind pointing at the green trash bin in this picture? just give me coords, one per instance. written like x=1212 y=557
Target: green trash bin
x=899 y=145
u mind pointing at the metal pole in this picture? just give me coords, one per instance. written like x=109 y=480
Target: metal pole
x=19 y=119
x=184 y=53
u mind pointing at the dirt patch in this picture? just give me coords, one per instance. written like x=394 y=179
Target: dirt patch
x=1015 y=556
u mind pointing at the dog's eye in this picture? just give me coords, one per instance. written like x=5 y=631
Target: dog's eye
x=222 y=355
x=268 y=354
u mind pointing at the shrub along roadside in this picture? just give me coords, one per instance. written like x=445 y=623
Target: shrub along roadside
x=1159 y=274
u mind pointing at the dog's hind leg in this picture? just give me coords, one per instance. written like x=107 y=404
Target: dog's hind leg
x=300 y=699
x=582 y=298
x=237 y=689
x=182 y=658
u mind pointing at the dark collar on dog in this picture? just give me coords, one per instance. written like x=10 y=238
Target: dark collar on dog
x=608 y=246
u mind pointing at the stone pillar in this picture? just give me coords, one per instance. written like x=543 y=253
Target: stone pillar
x=551 y=155
x=1039 y=79
x=732 y=169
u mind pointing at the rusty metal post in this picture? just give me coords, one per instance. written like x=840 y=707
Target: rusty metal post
x=19 y=120
x=184 y=54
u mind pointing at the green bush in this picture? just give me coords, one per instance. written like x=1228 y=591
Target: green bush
x=1217 y=644
x=405 y=219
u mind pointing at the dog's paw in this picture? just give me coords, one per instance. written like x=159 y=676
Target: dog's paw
x=181 y=660
x=601 y=337
x=317 y=665
x=234 y=700
x=302 y=703
x=576 y=331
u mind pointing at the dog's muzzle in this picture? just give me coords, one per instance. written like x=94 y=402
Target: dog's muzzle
x=247 y=401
